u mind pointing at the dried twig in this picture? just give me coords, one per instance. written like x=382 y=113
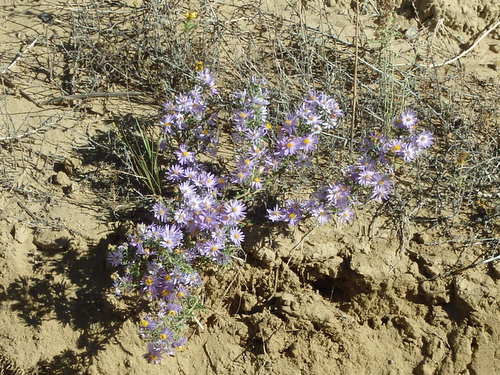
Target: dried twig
x=18 y=56
x=465 y=52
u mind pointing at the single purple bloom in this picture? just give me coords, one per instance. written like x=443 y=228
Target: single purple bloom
x=346 y=215
x=172 y=308
x=115 y=257
x=175 y=173
x=154 y=354
x=236 y=236
x=407 y=120
x=179 y=343
x=424 y=139
x=184 y=156
x=160 y=212
x=275 y=214
x=171 y=237
x=235 y=210
x=410 y=152
x=186 y=189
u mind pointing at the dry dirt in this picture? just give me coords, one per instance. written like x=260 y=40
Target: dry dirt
x=337 y=300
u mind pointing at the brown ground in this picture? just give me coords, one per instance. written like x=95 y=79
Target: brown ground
x=346 y=300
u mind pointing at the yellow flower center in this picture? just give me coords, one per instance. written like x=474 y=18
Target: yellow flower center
x=199 y=65
x=149 y=281
x=144 y=323
x=191 y=15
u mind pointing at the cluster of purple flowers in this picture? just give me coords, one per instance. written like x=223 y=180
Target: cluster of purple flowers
x=373 y=171
x=201 y=220
x=268 y=145
x=199 y=223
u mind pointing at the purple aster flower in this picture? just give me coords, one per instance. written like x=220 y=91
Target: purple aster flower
x=240 y=176
x=292 y=214
x=166 y=334
x=138 y=243
x=168 y=123
x=346 y=215
x=184 y=156
x=241 y=117
x=179 y=343
x=235 y=210
x=256 y=183
x=290 y=124
x=366 y=177
x=321 y=214
x=154 y=354
x=236 y=236
x=175 y=173
x=410 y=152
x=312 y=98
x=208 y=220
x=190 y=173
x=147 y=324
x=160 y=211
x=407 y=120
x=288 y=146
x=180 y=216
x=275 y=214
x=382 y=187
x=308 y=143
x=172 y=308
x=208 y=80
x=210 y=181
x=171 y=237
x=210 y=248
x=115 y=257
x=424 y=139
x=395 y=146
x=313 y=118
x=338 y=195
x=186 y=189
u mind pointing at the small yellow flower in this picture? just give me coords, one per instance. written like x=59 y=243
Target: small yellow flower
x=144 y=323
x=198 y=66
x=191 y=15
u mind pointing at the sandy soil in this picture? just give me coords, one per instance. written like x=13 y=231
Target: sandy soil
x=337 y=300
